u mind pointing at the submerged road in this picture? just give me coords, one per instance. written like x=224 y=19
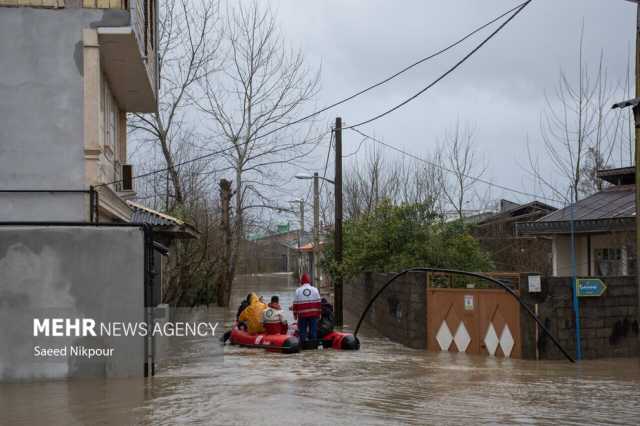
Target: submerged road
x=383 y=383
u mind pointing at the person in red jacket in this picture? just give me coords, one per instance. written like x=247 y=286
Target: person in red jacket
x=307 y=308
x=273 y=318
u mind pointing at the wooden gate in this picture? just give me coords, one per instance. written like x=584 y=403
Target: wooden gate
x=473 y=320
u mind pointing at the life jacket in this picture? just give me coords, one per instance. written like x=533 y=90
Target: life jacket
x=306 y=302
x=253 y=315
x=273 y=320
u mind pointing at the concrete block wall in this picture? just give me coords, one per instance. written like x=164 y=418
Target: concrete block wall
x=608 y=323
x=399 y=313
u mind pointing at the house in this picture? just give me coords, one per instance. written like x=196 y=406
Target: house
x=71 y=71
x=496 y=234
x=168 y=232
x=603 y=225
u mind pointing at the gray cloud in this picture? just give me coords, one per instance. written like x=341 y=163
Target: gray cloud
x=500 y=90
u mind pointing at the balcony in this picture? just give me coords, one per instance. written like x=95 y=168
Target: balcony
x=129 y=60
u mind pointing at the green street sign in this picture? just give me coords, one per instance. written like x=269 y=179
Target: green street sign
x=590 y=287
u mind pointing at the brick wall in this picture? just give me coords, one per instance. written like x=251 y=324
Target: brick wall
x=399 y=313
x=608 y=323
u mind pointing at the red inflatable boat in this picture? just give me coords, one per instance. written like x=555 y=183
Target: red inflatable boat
x=287 y=343
x=272 y=342
x=339 y=340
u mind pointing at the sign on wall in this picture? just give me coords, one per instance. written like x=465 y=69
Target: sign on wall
x=535 y=286
x=468 y=302
x=590 y=287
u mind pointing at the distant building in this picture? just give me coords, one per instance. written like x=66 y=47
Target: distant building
x=604 y=227
x=270 y=252
x=497 y=235
x=71 y=71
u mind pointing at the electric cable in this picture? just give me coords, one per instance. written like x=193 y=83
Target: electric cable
x=449 y=71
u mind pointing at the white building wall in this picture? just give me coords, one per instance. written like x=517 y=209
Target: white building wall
x=562 y=252
x=562 y=256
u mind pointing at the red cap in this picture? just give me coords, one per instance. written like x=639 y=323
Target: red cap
x=304 y=279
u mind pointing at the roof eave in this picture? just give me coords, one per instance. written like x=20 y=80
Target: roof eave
x=579 y=226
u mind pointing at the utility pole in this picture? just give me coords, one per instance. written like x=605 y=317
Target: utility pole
x=316 y=229
x=224 y=286
x=636 y=117
x=337 y=285
x=300 y=237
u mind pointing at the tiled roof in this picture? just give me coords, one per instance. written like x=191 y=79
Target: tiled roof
x=614 y=202
x=143 y=214
x=146 y=215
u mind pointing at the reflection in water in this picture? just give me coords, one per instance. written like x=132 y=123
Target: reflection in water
x=383 y=383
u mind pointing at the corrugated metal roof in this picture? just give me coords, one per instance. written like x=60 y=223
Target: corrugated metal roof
x=614 y=202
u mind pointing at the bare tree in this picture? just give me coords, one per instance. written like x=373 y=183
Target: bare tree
x=369 y=181
x=262 y=87
x=460 y=168
x=188 y=42
x=578 y=131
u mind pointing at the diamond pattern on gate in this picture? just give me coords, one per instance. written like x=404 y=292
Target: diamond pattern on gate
x=491 y=340
x=444 y=336
x=506 y=341
x=462 y=338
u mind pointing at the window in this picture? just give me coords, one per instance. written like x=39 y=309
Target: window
x=110 y=116
x=112 y=134
x=609 y=262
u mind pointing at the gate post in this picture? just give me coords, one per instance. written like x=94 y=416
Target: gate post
x=529 y=333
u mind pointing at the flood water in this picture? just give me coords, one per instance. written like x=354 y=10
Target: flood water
x=383 y=383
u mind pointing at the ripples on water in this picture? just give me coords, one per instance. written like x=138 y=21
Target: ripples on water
x=383 y=383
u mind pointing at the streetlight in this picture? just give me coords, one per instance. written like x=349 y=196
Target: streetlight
x=316 y=218
x=300 y=203
x=304 y=176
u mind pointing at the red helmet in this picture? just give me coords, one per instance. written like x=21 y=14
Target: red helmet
x=305 y=279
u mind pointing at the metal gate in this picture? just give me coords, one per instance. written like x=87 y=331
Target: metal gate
x=474 y=321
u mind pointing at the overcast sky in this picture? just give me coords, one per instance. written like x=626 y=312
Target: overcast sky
x=500 y=91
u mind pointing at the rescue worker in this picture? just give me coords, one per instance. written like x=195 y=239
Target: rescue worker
x=252 y=315
x=243 y=305
x=327 y=320
x=273 y=319
x=241 y=325
x=307 y=309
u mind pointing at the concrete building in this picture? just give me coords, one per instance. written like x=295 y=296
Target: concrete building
x=604 y=226
x=70 y=71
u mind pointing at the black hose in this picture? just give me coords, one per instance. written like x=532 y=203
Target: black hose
x=470 y=274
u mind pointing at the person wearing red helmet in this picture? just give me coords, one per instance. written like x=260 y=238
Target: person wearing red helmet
x=307 y=308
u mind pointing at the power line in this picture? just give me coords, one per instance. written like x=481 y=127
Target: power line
x=326 y=163
x=449 y=71
x=357 y=150
x=402 y=71
x=191 y=160
x=517 y=10
x=475 y=178
x=175 y=166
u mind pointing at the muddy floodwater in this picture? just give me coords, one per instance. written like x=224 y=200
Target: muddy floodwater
x=383 y=383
